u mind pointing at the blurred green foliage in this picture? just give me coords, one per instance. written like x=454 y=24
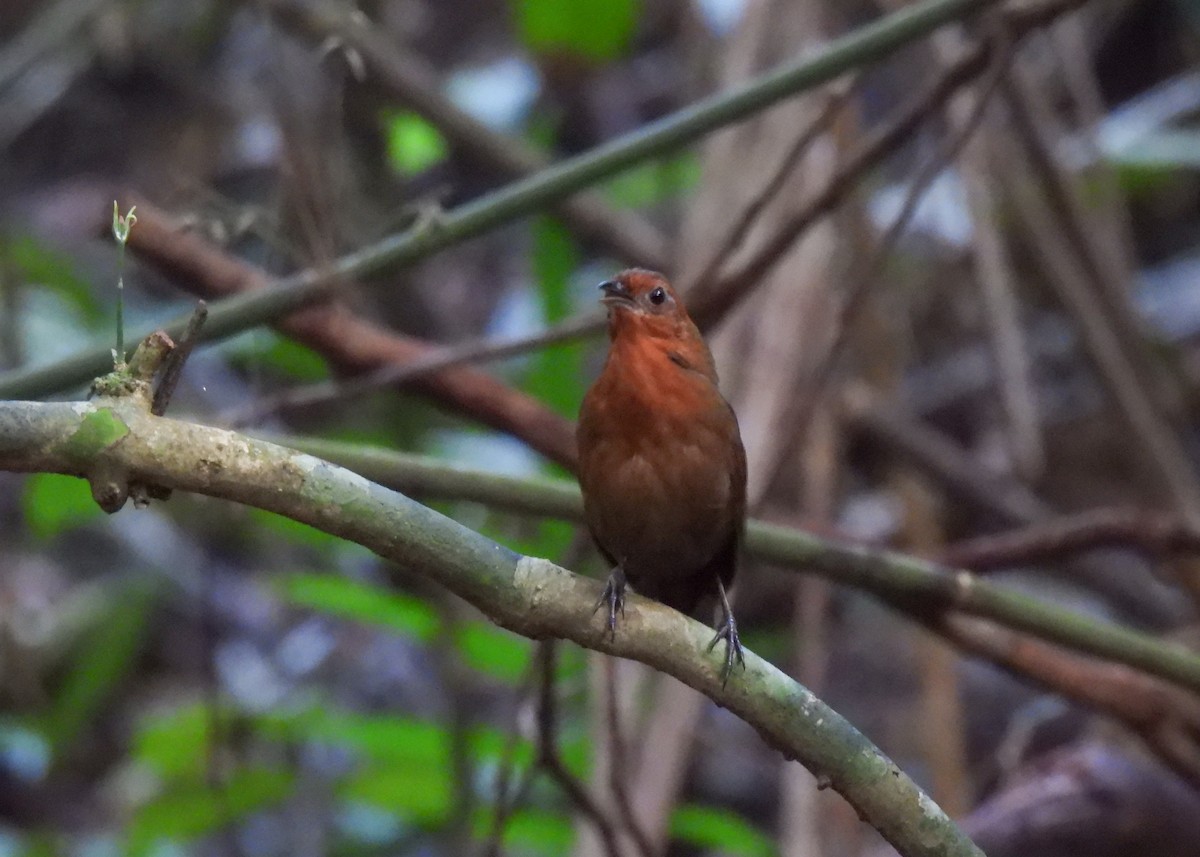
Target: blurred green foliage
x=265 y=354
x=175 y=744
x=402 y=766
x=44 y=267
x=657 y=181
x=361 y=602
x=278 y=527
x=711 y=828
x=413 y=145
x=589 y=29
x=557 y=374
x=106 y=653
x=52 y=504
x=493 y=651
x=540 y=831
x=194 y=810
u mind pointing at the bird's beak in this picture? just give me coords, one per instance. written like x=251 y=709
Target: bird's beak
x=616 y=293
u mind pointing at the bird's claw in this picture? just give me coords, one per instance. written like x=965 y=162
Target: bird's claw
x=733 y=646
x=614 y=597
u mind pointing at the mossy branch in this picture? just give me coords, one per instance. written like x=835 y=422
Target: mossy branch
x=113 y=439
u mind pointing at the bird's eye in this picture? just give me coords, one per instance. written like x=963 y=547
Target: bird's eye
x=658 y=296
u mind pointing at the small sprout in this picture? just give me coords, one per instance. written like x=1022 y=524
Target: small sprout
x=121 y=228
x=122 y=225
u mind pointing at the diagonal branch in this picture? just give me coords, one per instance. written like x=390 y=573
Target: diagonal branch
x=1154 y=534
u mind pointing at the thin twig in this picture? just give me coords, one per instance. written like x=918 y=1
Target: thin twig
x=834 y=101
x=617 y=769
x=1155 y=534
x=995 y=279
x=400 y=374
x=173 y=367
x=964 y=477
x=502 y=803
x=538 y=599
x=551 y=762
x=878 y=146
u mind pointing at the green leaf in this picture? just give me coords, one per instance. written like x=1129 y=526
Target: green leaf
x=489 y=745
x=406 y=763
x=420 y=794
x=541 y=832
x=53 y=504
x=653 y=182
x=711 y=828
x=273 y=525
x=532 y=538
x=193 y=811
x=494 y=651
x=263 y=350
x=362 y=602
x=401 y=742
x=290 y=359
x=557 y=374
x=175 y=744
x=105 y=656
x=590 y=29
x=42 y=266
x=413 y=145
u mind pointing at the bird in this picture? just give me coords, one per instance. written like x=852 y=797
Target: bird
x=662 y=468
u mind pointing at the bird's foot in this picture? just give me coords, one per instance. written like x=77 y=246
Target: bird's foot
x=727 y=631
x=614 y=597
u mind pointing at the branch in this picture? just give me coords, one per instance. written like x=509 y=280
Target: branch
x=1165 y=717
x=961 y=475
x=863 y=46
x=112 y=439
x=911 y=585
x=436 y=359
x=1154 y=534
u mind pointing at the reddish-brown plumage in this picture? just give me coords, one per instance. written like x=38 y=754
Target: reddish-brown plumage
x=661 y=462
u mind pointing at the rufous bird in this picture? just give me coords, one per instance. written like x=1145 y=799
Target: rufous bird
x=661 y=461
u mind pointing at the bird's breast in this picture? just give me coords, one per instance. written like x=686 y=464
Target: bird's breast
x=657 y=468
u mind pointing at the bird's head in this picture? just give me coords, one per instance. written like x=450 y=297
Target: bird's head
x=643 y=303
